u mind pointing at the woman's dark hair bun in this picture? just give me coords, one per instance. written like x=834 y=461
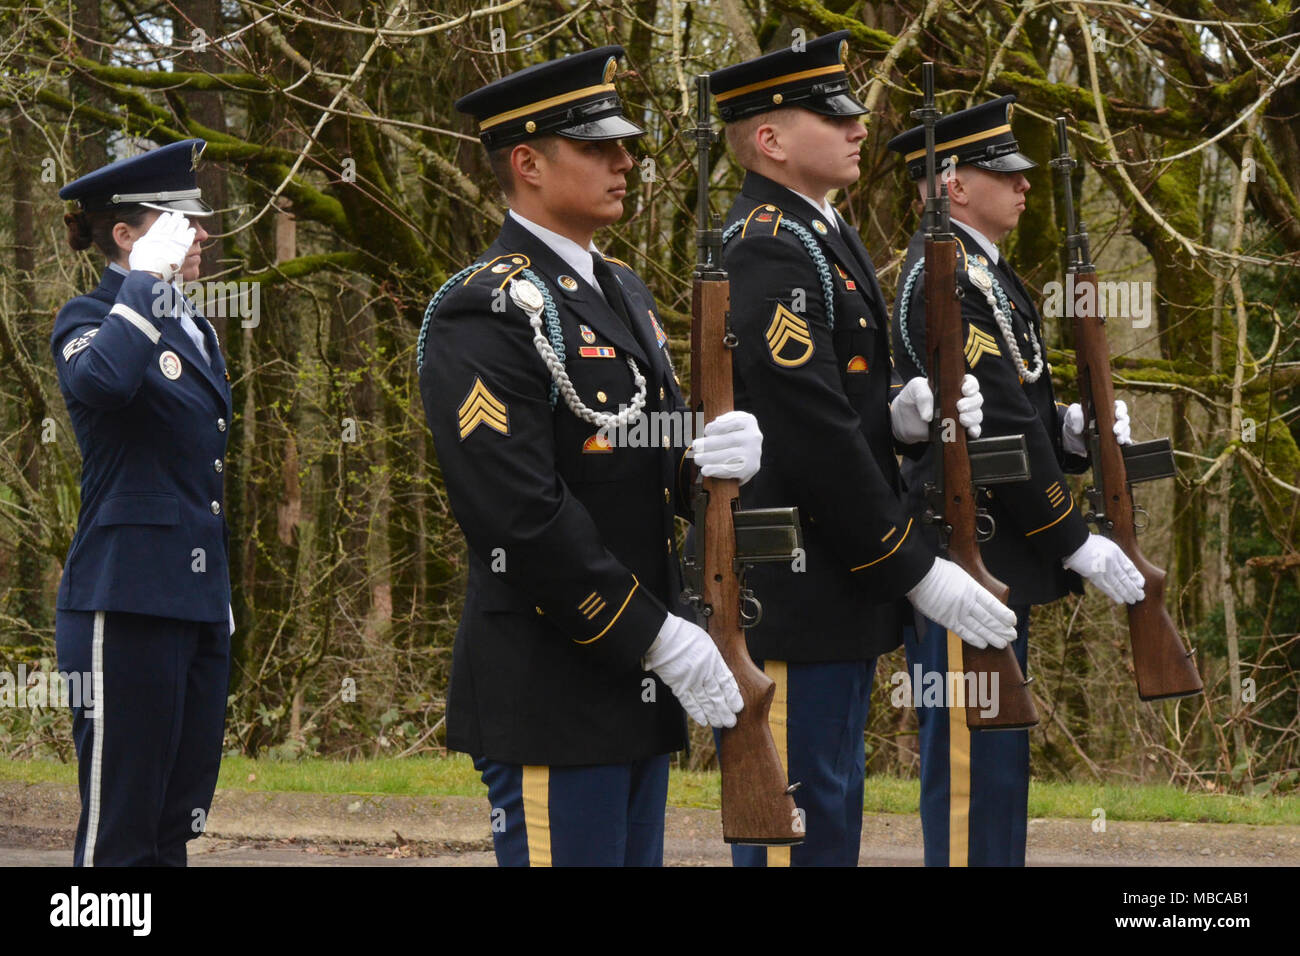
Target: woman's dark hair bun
x=79 y=234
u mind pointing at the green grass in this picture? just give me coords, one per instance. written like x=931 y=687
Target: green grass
x=455 y=776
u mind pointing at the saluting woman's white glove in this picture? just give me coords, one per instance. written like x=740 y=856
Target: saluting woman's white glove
x=163 y=248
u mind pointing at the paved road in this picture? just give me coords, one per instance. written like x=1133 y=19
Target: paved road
x=292 y=829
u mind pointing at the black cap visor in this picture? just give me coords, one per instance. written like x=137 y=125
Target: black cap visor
x=607 y=127
x=835 y=104
x=1007 y=163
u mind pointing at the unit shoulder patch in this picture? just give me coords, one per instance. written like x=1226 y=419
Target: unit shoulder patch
x=481 y=407
x=789 y=338
x=500 y=270
x=978 y=344
x=763 y=220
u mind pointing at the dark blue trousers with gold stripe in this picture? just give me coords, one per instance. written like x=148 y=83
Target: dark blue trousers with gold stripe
x=599 y=815
x=974 y=785
x=818 y=716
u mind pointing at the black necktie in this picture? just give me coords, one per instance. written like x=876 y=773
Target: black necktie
x=610 y=286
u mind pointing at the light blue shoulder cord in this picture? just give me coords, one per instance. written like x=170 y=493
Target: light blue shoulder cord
x=904 y=303
x=814 y=250
x=433 y=304
x=552 y=317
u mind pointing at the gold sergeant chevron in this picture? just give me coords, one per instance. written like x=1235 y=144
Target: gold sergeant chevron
x=787 y=327
x=481 y=407
x=978 y=344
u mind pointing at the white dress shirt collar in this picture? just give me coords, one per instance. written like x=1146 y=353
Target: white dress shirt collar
x=985 y=243
x=824 y=207
x=574 y=256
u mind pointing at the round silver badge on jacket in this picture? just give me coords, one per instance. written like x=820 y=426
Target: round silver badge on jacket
x=170 y=363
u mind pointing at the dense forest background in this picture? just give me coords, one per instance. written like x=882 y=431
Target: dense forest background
x=349 y=189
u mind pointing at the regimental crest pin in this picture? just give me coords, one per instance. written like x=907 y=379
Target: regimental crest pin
x=588 y=336
x=170 y=364
x=849 y=284
x=660 y=337
x=597 y=444
x=819 y=226
x=568 y=283
x=857 y=365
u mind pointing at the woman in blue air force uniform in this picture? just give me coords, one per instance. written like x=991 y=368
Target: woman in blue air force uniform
x=144 y=601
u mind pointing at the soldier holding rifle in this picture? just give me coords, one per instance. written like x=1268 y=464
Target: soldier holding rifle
x=975 y=785
x=572 y=634
x=812 y=362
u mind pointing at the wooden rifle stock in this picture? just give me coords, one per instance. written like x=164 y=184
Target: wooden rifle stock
x=756 y=804
x=944 y=347
x=946 y=361
x=1162 y=665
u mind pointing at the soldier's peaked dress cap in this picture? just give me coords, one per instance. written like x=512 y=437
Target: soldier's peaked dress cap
x=573 y=97
x=810 y=75
x=162 y=178
x=980 y=136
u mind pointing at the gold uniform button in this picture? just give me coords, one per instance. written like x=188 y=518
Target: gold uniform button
x=538 y=610
x=667 y=496
x=862 y=322
x=601 y=397
x=670 y=545
x=661 y=393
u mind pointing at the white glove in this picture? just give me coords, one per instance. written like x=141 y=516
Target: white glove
x=686 y=659
x=953 y=599
x=913 y=409
x=162 y=250
x=1101 y=561
x=731 y=447
x=1123 y=434
x=1072 y=428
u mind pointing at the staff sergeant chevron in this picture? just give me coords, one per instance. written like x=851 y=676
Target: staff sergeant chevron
x=481 y=407
x=978 y=344
x=786 y=327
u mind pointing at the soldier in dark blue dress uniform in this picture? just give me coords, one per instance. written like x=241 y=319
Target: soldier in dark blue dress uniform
x=813 y=364
x=536 y=362
x=975 y=785
x=144 y=601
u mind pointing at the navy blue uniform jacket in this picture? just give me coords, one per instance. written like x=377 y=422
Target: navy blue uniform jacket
x=151 y=419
